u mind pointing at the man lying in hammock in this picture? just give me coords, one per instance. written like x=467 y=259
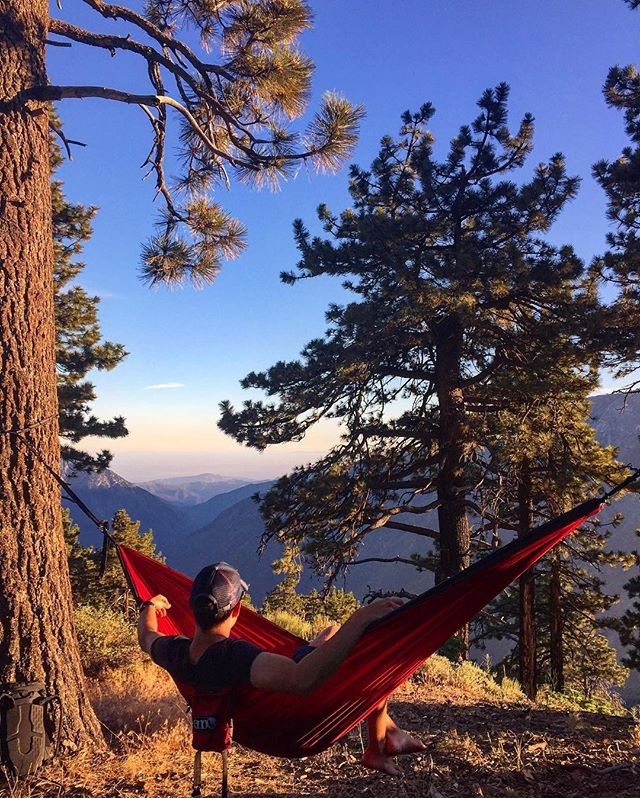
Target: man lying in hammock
x=212 y=660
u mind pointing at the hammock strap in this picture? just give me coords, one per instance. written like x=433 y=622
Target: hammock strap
x=622 y=485
x=72 y=496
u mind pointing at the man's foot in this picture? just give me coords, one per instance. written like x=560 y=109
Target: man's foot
x=398 y=742
x=375 y=760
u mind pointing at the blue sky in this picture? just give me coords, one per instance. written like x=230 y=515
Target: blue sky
x=388 y=55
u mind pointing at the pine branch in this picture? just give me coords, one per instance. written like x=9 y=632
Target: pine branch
x=52 y=93
x=112 y=11
x=115 y=43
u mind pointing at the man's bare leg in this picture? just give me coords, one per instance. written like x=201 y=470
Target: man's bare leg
x=324 y=635
x=386 y=741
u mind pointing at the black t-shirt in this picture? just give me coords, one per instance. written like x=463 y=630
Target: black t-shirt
x=224 y=664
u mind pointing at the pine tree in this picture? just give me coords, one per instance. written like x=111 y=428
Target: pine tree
x=628 y=625
x=620 y=268
x=234 y=100
x=83 y=572
x=109 y=589
x=459 y=298
x=564 y=465
x=284 y=596
x=334 y=604
x=79 y=344
x=620 y=265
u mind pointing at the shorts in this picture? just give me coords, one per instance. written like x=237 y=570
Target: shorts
x=301 y=653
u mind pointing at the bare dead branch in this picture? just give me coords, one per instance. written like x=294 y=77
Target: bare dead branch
x=398 y=558
x=371 y=594
x=114 y=43
x=65 y=141
x=155 y=160
x=415 y=530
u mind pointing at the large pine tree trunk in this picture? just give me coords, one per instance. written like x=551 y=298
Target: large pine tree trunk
x=527 y=624
x=454 y=527
x=36 y=626
x=556 y=627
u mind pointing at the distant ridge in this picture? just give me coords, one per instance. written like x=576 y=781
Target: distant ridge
x=191 y=490
x=202 y=514
x=106 y=492
x=172 y=524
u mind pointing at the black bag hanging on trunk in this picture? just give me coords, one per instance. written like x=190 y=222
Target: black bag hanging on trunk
x=28 y=729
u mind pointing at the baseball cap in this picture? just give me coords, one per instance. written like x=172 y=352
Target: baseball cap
x=220 y=584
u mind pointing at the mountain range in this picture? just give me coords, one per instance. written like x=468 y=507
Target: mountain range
x=192 y=490
x=229 y=527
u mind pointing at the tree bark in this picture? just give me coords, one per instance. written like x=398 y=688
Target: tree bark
x=37 y=639
x=527 y=624
x=455 y=530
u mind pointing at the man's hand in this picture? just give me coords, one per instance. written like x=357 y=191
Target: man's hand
x=377 y=609
x=161 y=604
x=148 y=621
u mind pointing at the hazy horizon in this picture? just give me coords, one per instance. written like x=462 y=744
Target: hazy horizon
x=250 y=466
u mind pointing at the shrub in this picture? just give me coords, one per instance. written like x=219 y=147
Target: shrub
x=606 y=702
x=467 y=676
x=141 y=698
x=336 y=605
x=306 y=629
x=511 y=690
x=593 y=668
x=473 y=678
x=292 y=623
x=436 y=670
x=106 y=639
x=318 y=623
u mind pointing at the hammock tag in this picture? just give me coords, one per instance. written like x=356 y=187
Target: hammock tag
x=205 y=724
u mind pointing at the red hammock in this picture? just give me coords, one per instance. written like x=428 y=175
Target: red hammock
x=386 y=655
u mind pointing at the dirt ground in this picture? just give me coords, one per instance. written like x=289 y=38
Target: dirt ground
x=476 y=748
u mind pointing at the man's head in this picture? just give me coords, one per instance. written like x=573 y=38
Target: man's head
x=215 y=593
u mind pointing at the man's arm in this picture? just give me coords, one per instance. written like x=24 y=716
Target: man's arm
x=148 y=621
x=281 y=674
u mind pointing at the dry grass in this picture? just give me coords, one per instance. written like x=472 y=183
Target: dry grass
x=481 y=745
x=137 y=700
